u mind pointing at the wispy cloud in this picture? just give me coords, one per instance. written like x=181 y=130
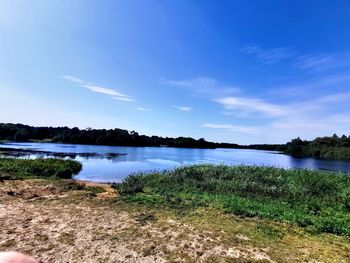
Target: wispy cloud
x=201 y=85
x=104 y=91
x=311 y=62
x=269 y=56
x=321 y=62
x=235 y=106
x=98 y=89
x=72 y=79
x=285 y=129
x=142 y=109
x=248 y=105
x=233 y=128
x=301 y=90
x=333 y=98
x=129 y=99
x=323 y=115
x=183 y=108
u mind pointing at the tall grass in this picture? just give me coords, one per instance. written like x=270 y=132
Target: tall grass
x=11 y=168
x=314 y=199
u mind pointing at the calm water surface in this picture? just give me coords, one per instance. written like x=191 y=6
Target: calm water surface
x=102 y=169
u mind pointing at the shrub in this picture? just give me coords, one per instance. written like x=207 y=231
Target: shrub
x=132 y=184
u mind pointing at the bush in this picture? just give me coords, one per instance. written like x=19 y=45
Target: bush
x=132 y=184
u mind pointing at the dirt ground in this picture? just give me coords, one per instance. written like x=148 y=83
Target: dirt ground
x=62 y=222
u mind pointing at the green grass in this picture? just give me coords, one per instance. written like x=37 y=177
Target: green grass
x=317 y=200
x=11 y=168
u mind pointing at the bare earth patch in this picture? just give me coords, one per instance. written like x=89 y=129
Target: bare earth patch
x=60 y=222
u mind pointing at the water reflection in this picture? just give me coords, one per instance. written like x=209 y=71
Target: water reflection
x=104 y=164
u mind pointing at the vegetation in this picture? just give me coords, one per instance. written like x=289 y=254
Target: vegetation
x=11 y=168
x=74 y=223
x=336 y=148
x=317 y=200
x=182 y=207
x=117 y=137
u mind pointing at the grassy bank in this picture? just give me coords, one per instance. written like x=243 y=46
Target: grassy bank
x=319 y=201
x=165 y=217
x=67 y=223
x=11 y=168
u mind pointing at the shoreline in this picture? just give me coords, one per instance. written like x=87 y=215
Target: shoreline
x=57 y=222
x=193 y=214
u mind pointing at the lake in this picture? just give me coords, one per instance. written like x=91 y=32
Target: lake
x=105 y=166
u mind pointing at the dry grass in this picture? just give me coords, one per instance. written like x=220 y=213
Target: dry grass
x=58 y=222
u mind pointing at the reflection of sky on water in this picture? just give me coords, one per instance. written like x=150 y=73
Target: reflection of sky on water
x=114 y=169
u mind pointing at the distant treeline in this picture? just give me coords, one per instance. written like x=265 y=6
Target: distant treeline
x=335 y=147
x=113 y=137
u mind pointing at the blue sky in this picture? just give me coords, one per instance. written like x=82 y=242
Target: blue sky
x=234 y=71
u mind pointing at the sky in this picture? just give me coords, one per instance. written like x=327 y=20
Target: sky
x=227 y=71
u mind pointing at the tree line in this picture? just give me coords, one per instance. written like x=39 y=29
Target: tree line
x=334 y=147
x=112 y=137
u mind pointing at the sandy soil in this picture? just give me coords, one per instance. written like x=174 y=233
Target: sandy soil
x=58 y=226
x=54 y=223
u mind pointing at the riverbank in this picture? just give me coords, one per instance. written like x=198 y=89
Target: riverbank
x=316 y=200
x=59 y=221
x=63 y=220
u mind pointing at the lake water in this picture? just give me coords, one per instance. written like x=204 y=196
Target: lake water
x=115 y=168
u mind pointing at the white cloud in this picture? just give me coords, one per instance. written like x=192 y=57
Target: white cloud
x=183 y=108
x=202 y=85
x=238 y=106
x=233 y=128
x=142 y=109
x=104 y=91
x=98 y=89
x=283 y=130
x=129 y=99
x=320 y=116
x=247 y=105
x=309 y=127
x=72 y=79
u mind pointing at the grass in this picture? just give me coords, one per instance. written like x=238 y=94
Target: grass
x=316 y=200
x=99 y=228
x=11 y=168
